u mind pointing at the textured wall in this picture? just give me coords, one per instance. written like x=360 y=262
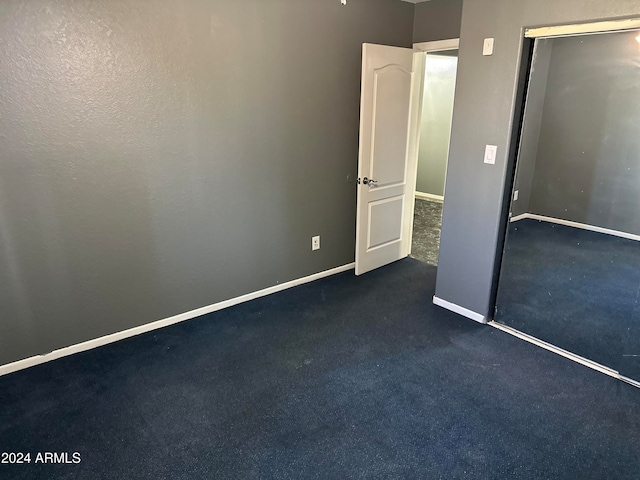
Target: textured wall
x=437 y=20
x=159 y=156
x=588 y=166
x=483 y=113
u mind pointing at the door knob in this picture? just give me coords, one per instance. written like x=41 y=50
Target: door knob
x=370 y=182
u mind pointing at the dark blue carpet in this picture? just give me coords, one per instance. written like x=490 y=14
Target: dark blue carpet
x=575 y=289
x=347 y=377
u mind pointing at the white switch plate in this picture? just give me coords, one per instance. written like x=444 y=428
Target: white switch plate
x=515 y=195
x=490 y=154
x=487 y=46
x=315 y=243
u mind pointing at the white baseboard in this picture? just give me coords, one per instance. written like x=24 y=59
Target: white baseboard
x=522 y=216
x=148 y=327
x=465 y=312
x=583 y=226
x=429 y=196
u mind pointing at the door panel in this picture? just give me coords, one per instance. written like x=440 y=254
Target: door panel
x=388 y=129
x=391 y=96
x=385 y=225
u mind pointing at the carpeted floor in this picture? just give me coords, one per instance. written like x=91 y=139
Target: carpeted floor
x=576 y=289
x=346 y=377
x=427 y=222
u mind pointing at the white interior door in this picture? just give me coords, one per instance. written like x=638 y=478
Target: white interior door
x=388 y=153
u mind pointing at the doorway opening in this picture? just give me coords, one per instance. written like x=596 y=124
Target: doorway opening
x=439 y=63
x=392 y=92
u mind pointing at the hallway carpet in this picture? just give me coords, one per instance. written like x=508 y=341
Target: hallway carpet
x=346 y=377
x=427 y=222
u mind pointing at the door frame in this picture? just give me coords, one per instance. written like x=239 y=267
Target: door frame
x=421 y=49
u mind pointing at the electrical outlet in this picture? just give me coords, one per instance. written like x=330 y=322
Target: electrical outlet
x=315 y=243
x=515 y=196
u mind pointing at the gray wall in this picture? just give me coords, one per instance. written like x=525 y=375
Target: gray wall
x=160 y=156
x=483 y=113
x=588 y=165
x=437 y=20
x=435 y=125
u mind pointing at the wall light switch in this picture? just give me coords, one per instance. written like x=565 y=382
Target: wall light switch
x=490 y=154
x=515 y=196
x=487 y=47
